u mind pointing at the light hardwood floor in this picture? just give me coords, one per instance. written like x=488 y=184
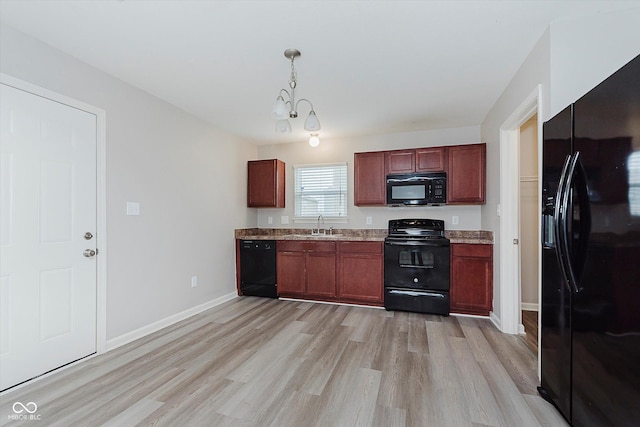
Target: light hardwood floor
x=530 y=322
x=263 y=362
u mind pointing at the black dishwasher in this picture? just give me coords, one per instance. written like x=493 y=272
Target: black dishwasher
x=258 y=268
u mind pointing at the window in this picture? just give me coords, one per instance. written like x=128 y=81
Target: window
x=321 y=190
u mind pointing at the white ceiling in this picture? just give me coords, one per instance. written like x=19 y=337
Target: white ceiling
x=368 y=66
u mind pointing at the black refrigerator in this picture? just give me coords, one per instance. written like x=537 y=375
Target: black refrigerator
x=590 y=306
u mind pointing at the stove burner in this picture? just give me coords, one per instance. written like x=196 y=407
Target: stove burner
x=416 y=228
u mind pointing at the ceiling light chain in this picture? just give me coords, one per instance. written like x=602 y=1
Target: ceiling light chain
x=281 y=110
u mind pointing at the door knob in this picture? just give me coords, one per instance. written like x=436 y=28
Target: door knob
x=89 y=253
x=88 y=236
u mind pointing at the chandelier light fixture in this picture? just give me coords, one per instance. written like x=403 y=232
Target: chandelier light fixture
x=284 y=109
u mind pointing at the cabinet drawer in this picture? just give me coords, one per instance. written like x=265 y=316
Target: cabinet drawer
x=290 y=245
x=305 y=246
x=470 y=250
x=311 y=246
x=360 y=247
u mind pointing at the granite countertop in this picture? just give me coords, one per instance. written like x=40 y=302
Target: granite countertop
x=361 y=234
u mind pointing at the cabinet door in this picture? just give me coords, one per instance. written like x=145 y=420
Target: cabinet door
x=360 y=278
x=400 y=161
x=430 y=159
x=466 y=174
x=321 y=274
x=291 y=273
x=369 y=179
x=360 y=274
x=471 y=279
x=265 y=184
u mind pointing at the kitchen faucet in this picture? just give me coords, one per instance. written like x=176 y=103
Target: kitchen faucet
x=324 y=230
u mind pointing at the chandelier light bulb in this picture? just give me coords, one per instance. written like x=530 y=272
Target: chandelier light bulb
x=314 y=141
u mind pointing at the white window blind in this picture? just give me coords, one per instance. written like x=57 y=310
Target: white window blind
x=321 y=190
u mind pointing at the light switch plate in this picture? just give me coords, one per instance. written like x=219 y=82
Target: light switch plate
x=133 y=208
x=284 y=219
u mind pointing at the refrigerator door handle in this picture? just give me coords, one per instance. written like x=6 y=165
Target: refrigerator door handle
x=560 y=223
x=568 y=267
x=580 y=252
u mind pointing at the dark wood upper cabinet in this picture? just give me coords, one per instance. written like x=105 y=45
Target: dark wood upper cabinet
x=466 y=174
x=465 y=166
x=400 y=161
x=430 y=159
x=369 y=179
x=266 y=184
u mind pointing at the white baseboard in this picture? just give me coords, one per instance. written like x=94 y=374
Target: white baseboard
x=496 y=320
x=476 y=316
x=527 y=306
x=163 y=323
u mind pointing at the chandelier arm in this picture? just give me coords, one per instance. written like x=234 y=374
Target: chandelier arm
x=304 y=99
x=288 y=95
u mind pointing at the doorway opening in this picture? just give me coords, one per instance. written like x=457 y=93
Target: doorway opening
x=528 y=242
x=511 y=260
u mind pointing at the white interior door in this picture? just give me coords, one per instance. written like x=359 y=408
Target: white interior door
x=48 y=203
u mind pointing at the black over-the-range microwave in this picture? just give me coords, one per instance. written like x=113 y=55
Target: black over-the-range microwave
x=417 y=189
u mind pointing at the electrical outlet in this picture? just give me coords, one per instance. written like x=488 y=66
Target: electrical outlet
x=369 y=220
x=270 y=220
x=133 y=208
x=455 y=220
x=194 y=281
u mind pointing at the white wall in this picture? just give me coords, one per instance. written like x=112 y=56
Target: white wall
x=189 y=178
x=533 y=72
x=586 y=51
x=342 y=150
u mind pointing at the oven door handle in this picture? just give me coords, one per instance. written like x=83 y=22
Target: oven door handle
x=415 y=293
x=415 y=266
x=415 y=243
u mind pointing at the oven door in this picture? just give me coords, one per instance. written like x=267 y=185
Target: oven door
x=420 y=264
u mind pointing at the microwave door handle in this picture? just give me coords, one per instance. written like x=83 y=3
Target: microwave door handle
x=412 y=179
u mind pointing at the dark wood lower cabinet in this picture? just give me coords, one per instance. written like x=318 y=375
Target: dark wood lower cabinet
x=321 y=274
x=306 y=269
x=343 y=272
x=360 y=272
x=471 y=279
x=290 y=272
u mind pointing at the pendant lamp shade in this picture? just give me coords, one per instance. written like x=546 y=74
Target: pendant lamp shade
x=312 y=123
x=280 y=109
x=283 y=126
